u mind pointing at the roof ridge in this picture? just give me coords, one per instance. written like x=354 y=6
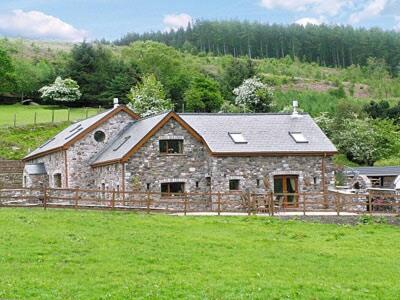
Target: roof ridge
x=155 y=115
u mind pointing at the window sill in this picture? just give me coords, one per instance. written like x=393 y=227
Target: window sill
x=172 y=154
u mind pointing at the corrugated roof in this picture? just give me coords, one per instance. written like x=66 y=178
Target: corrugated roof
x=263 y=133
x=132 y=134
x=374 y=171
x=35 y=169
x=69 y=133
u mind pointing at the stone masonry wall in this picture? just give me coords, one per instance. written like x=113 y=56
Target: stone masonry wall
x=252 y=170
x=11 y=173
x=54 y=163
x=109 y=177
x=80 y=172
x=149 y=166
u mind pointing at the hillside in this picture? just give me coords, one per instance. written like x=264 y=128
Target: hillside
x=335 y=46
x=347 y=102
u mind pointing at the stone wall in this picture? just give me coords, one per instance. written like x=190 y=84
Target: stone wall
x=54 y=164
x=80 y=172
x=251 y=172
x=108 y=177
x=149 y=166
x=11 y=173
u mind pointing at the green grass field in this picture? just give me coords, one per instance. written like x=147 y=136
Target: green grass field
x=17 y=142
x=61 y=254
x=25 y=114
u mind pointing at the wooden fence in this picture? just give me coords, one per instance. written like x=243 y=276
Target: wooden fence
x=334 y=202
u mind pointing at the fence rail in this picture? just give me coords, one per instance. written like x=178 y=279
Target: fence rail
x=333 y=202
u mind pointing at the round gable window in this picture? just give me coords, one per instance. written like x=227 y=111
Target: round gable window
x=99 y=136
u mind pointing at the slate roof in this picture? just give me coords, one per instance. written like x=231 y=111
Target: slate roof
x=70 y=132
x=127 y=138
x=374 y=171
x=264 y=133
x=35 y=169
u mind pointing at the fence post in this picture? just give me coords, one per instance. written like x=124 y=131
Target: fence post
x=87 y=113
x=272 y=204
x=15 y=120
x=76 y=198
x=370 y=203
x=337 y=200
x=68 y=114
x=304 y=204
x=52 y=116
x=45 y=198
x=185 y=203
x=219 y=203
x=249 y=204
x=113 y=199
x=34 y=118
x=148 y=202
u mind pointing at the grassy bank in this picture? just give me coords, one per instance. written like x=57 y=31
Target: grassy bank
x=61 y=254
x=17 y=142
x=25 y=114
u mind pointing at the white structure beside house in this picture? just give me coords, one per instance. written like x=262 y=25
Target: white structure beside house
x=174 y=152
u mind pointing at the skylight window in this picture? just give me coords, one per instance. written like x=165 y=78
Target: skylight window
x=48 y=142
x=123 y=142
x=73 y=133
x=76 y=127
x=298 y=137
x=237 y=138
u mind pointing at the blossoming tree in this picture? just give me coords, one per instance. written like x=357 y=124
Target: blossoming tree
x=254 y=96
x=148 y=97
x=62 y=90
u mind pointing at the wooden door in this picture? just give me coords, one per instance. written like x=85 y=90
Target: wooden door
x=287 y=187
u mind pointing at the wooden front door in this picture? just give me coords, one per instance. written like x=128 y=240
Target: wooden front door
x=286 y=188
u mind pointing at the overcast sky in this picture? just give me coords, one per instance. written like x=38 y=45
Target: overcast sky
x=75 y=20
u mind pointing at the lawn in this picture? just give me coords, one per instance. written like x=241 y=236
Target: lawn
x=61 y=254
x=25 y=114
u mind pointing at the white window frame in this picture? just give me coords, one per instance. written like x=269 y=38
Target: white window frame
x=298 y=137
x=237 y=137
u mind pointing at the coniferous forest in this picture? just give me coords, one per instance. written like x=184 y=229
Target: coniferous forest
x=334 y=46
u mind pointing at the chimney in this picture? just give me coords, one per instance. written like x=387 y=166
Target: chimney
x=295 y=113
x=116 y=102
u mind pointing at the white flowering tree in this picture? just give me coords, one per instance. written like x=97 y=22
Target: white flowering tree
x=148 y=97
x=254 y=96
x=62 y=90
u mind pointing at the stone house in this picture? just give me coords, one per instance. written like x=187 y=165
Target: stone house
x=194 y=152
x=363 y=178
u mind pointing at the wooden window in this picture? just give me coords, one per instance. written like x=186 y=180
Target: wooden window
x=286 y=188
x=234 y=185
x=57 y=180
x=170 y=188
x=171 y=146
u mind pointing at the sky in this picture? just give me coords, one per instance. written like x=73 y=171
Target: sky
x=77 y=20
